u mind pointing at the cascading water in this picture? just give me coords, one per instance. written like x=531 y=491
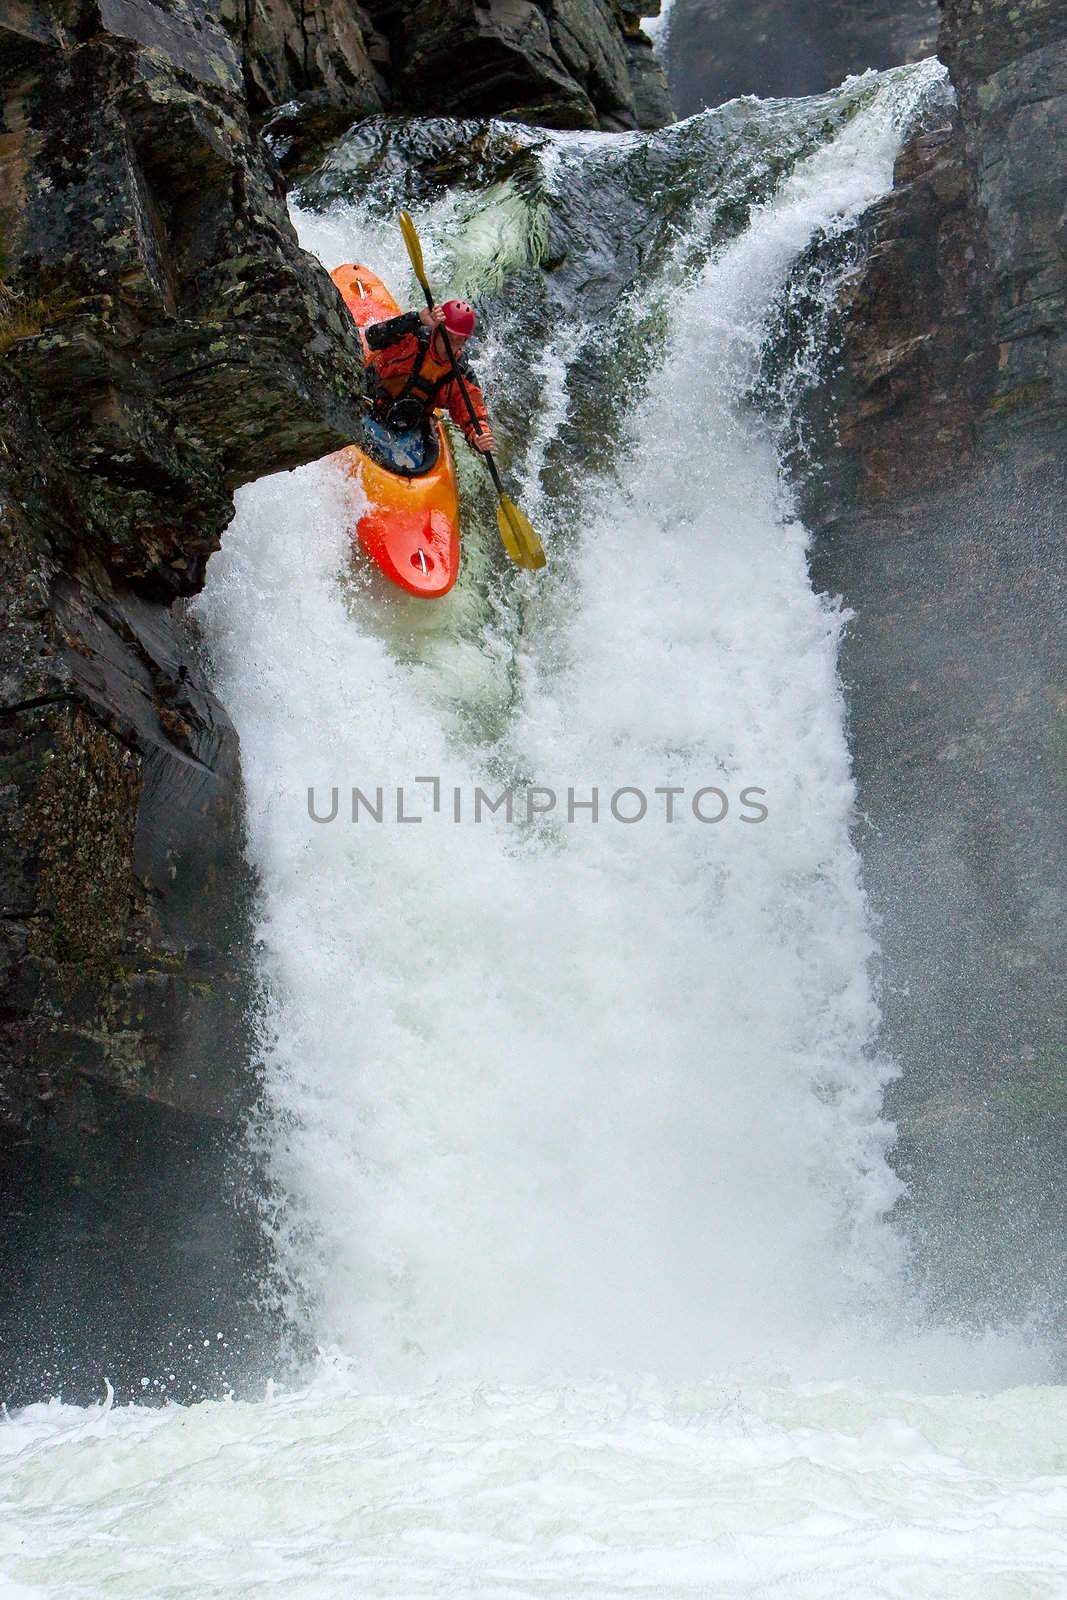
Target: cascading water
x=594 y=1093
x=548 y=1097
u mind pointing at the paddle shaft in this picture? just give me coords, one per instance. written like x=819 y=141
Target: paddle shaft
x=486 y=455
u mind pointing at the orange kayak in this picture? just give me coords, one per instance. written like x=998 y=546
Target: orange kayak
x=411 y=528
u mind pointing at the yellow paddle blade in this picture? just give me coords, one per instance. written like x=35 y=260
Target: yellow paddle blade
x=520 y=540
x=510 y=543
x=414 y=248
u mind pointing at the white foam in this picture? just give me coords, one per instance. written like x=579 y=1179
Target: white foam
x=599 y=1491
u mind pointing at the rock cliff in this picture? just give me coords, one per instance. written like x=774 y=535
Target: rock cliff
x=939 y=508
x=312 y=70
x=164 y=340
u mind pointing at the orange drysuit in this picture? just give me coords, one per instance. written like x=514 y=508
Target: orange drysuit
x=405 y=368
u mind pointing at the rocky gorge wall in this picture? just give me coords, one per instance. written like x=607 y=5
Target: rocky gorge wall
x=164 y=340
x=930 y=461
x=938 y=503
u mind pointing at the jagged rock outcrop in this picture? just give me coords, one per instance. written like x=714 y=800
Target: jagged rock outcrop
x=164 y=340
x=312 y=71
x=329 y=54
x=719 y=49
x=939 y=518
x=175 y=339
x=309 y=71
x=562 y=63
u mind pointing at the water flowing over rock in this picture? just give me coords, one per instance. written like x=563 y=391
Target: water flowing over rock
x=586 y=1094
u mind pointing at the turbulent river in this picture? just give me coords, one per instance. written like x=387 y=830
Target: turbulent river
x=579 y=1175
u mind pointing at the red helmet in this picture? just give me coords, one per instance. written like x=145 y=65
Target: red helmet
x=459 y=317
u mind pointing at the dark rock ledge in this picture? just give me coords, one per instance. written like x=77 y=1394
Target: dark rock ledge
x=164 y=340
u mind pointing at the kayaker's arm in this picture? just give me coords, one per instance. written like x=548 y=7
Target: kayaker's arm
x=479 y=437
x=380 y=335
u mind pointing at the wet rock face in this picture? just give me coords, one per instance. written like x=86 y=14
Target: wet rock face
x=912 y=332
x=328 y=54
x=954 y=341
x=312 y=72
x=163 y=340
x=1009 y=65
x=473 y=59
x=125 y=975
x=178 y=342
x=562 y=63
x=719 y=49
x=309 y=71
x=938 y=513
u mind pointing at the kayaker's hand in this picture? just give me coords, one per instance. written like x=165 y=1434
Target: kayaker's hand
x=433 y=316
x=484 y=440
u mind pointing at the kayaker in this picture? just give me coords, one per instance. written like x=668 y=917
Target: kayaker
x=411 y=375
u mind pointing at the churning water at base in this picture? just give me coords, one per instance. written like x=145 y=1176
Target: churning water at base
x=573 y=1491
x=557 y=1100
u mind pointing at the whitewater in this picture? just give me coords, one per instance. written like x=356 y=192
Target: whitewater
x=579 y=1176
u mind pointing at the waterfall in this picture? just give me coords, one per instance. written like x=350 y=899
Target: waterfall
x=563 y=1092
